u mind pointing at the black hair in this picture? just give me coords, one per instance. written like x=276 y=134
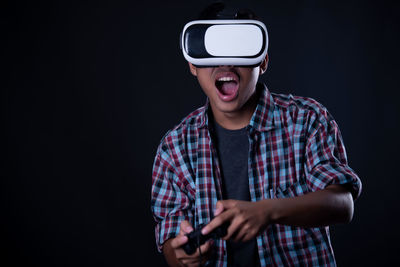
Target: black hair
x=219 y=10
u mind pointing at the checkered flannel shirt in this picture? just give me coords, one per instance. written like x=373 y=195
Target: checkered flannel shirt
x=295 y=147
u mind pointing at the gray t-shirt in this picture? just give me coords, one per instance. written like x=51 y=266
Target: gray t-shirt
x=233 y=148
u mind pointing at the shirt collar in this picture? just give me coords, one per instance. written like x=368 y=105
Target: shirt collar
x=263 y=116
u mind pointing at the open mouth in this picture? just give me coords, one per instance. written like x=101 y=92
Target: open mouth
x=227 y=85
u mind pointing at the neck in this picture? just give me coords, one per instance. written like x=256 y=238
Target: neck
x=240 y=118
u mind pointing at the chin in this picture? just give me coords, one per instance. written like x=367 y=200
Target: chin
x=229 y=107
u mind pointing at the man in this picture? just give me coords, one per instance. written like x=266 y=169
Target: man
x=272 y=167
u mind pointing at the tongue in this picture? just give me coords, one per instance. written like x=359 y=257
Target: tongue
x=228 y=88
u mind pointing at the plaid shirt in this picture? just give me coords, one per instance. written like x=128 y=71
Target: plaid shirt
x=295 y=147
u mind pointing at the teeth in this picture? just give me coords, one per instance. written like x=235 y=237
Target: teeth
x=225 y=79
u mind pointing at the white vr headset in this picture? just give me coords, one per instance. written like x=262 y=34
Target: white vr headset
x=232 y=42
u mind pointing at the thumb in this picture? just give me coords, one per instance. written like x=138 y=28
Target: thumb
x=223 y=205
x=185 y=228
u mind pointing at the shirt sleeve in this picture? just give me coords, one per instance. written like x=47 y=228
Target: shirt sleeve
x=170 y=204
x=326 y=160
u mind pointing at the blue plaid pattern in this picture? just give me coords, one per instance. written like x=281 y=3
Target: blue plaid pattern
x=295 y=148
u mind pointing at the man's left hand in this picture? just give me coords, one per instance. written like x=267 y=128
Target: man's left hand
x=246 y=219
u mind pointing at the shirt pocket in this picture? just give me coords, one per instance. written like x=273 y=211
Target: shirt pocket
x=304 y=242
x=298 y=188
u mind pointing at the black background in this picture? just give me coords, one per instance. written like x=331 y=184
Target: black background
x=89 y=88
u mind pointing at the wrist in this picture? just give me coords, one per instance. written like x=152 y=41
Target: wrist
x=271 y=208
x=169 y=254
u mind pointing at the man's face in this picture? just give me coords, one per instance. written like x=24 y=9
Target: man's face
x=228 y=88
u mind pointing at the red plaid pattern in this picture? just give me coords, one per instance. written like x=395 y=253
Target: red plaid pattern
x=295 y=148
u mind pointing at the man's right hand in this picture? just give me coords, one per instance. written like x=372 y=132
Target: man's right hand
x=176 y=256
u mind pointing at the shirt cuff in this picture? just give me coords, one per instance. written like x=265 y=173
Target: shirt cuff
x=168 y=228
x=326 y=174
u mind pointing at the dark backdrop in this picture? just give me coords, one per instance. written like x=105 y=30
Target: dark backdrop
x=89 y=88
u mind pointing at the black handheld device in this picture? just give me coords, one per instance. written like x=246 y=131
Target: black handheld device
x=196 y=238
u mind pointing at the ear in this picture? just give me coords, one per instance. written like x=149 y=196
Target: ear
x=264 y=65
x=193 y=69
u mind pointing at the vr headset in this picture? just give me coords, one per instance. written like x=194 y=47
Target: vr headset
x=233 y=42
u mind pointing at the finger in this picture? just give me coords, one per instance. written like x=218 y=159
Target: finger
x=233 y=230
x=195 y=257
x=228 y=203
x=206 y=257
x=248 y=236
x=226 y=216
x=179 y=241
x=190 y=262
x=205 y=248
x=239 y=236
x=207 y=252
x=223 y=205
x=185 y=227
x=219 y=208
